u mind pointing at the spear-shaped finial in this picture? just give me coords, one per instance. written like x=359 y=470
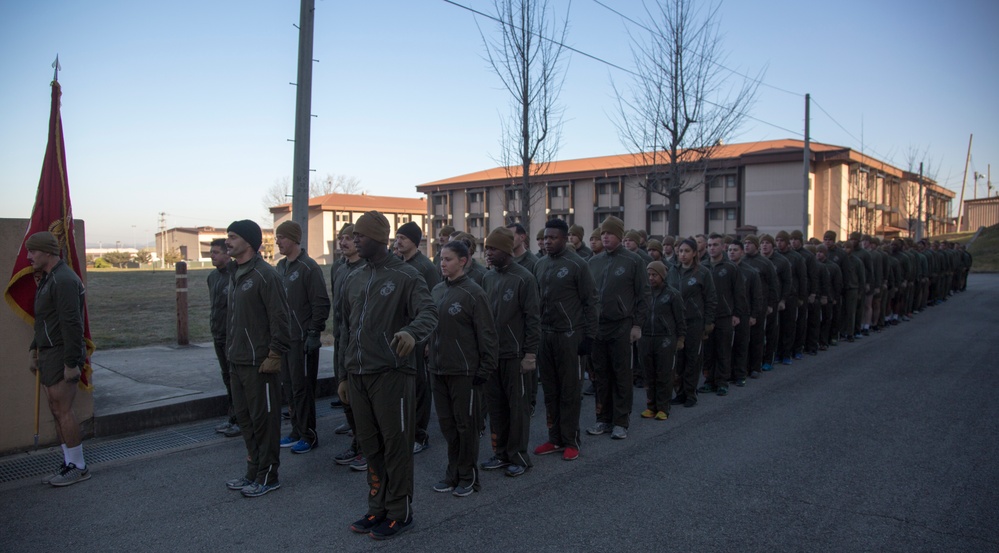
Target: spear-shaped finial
x=55 y=64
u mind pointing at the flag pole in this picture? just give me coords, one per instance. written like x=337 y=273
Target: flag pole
x=38 y=400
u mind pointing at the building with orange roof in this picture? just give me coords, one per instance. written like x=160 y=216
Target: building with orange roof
x=753 y=184
x=330 y=213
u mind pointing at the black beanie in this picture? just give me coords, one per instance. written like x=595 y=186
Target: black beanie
x=249 y=231
x=412 y=231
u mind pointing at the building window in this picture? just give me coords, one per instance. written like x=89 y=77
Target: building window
x=716 y=214
x=730 y=214
x=559 y=197
x=608 y=193
x=476 y=201
x=441 y=202
x=513 y=200
x=657 y=216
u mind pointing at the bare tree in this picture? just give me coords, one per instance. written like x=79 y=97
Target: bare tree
x=527 y=56
x=280 y=192
x=334 y=184
x=681 y=107
x=912 y=191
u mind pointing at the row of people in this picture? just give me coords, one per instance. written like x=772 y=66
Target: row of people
x=475 y=338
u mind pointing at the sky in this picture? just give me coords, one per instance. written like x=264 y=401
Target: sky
x=185 y=107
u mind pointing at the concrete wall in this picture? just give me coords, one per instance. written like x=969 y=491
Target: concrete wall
x=17 y=395
x=774 y=197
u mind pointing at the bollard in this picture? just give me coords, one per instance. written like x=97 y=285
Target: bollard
x=182 y=338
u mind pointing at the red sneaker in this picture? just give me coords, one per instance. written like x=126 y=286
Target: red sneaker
x=570 y=454
x=546 y=448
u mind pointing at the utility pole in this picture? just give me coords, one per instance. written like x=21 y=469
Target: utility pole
x=964 y=181
x=303 y=120
x=919 y=214
x=163 y=246
x=807 y=165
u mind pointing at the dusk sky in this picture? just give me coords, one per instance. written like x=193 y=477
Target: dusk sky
x=185 y=107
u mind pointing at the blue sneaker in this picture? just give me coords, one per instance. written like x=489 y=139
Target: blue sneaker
x=786 y=361
x=301 y=446
x=798 y=356
x=767 y=367
x=288 y=442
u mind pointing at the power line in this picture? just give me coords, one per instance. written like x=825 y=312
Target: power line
x=608 y=63
x=833 y=119
x=698 y=54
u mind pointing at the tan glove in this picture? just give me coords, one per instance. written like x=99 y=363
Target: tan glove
x=403 y=343
x=71 y=374
x=33 y=360
x=528 y=363
x=708 y=329
x=824 y=300
x=341 y=390
x=679 y=342
x=781 y=305
x=271 y=365
x=636 y=334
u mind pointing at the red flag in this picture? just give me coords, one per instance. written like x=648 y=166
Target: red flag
x=52 y=212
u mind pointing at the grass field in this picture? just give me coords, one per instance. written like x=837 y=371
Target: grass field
x=985 y=251
x=131 y=308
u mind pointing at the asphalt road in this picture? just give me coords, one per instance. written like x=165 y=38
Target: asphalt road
x=887 y=444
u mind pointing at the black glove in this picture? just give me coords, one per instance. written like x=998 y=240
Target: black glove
x=585 y=346
x=312 y=341
x=478 y=381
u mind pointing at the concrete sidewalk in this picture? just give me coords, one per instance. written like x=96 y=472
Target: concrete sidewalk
x=142 y=388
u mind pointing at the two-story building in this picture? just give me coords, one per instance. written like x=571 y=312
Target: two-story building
x=756 y=184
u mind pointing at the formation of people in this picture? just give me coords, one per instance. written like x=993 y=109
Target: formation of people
x=677 y=317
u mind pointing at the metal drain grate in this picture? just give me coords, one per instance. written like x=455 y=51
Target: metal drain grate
x=42 y=463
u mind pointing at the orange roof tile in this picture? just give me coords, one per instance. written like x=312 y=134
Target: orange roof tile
x=625 y=161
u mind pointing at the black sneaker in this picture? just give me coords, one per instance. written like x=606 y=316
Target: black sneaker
x=345 y=458
x=740 y=382
x=443 y=487
x=342 y=429
x=707 y=389
x=364 y=525
x=722 y=391
x=678 y=400
x=690 y=402
x=515 y=470
x=463 y=491
x=389 y=529
x=494 y=463
x=590 y=390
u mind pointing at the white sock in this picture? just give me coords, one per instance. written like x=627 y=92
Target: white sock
x=75 y=456
x=65 y=455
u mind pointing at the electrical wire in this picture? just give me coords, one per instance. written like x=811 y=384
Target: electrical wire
x=610 y=64
x=714 y=62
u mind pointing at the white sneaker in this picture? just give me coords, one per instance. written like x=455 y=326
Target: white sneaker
x=599 y=428
x=69 y=475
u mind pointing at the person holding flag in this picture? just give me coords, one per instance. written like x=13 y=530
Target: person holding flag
x=47 y=275
x=58 y=351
